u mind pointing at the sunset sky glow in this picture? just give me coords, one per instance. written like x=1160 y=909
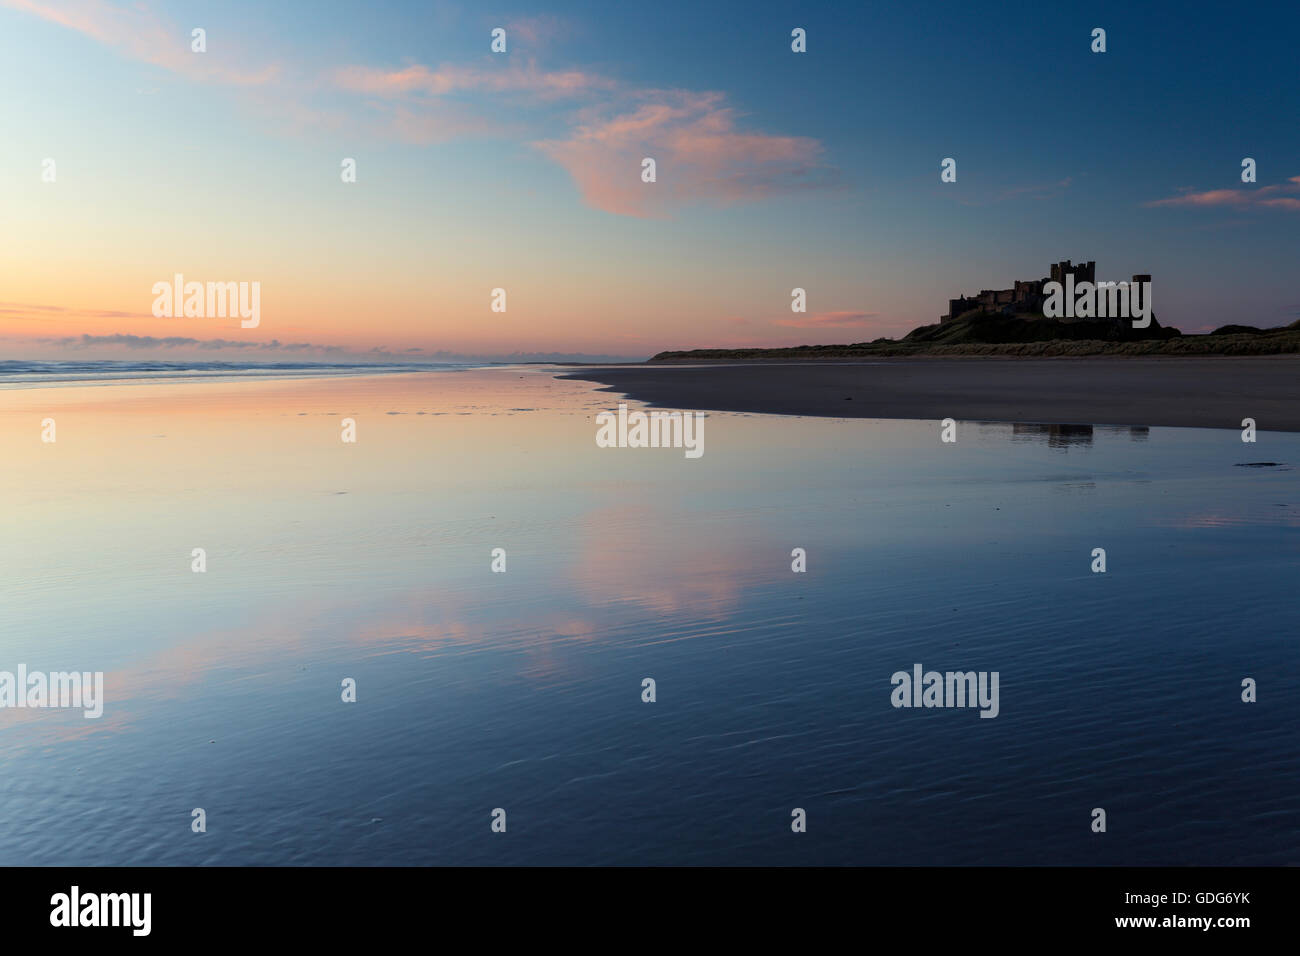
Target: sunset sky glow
x=522 y=171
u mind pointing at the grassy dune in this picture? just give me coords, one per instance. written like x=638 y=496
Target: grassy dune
x=975 y=334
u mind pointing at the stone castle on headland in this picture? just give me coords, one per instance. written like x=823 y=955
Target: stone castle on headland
x=1025 y=298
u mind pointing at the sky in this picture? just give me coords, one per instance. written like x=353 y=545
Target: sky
x=522 y=170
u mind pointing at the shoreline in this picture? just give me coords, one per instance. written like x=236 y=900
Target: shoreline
x=1175 y=392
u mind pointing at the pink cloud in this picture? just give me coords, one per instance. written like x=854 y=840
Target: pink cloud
x=830 y=320
x=699 y=152
x=1240 y=198
x=446 y=80
x=439 y=123
x=138 y=33
x=534 y=31
x=416 y=104
x=702 y=154
x=26 y=311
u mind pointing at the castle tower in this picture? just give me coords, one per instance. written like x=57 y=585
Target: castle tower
x=1083 y=272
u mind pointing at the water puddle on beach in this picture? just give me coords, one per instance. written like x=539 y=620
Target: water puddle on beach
x=522 y=690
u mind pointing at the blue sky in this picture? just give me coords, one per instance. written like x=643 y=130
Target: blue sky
x=476 y=170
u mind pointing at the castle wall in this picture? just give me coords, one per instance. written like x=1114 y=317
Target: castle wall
x=1026 y=296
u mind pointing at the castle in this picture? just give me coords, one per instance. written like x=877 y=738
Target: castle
x=1026 y=297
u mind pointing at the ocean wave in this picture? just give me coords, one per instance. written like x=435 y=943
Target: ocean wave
x=31 y=373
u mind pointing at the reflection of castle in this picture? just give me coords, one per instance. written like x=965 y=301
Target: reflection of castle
x=1063 y=436
x=1025 y=297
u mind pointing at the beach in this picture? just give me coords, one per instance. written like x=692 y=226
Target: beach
x=498 y=587
x=1215 y=392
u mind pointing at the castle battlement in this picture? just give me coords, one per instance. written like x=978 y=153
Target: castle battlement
x=1026 y=296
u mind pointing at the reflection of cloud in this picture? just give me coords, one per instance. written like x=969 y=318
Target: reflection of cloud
x=1266 y=196
x=452 y=622
x=1246 y=517
x=658 y=573
x=699 y=154
x=168 y=674
x=830 y=320
x=426 y=622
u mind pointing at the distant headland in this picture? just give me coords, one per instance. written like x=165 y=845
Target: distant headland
x=1066 y=314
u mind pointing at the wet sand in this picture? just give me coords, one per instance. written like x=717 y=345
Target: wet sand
x=1214 y=392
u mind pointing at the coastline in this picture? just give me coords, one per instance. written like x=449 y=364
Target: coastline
x=1182 y=392
x=19 y=375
